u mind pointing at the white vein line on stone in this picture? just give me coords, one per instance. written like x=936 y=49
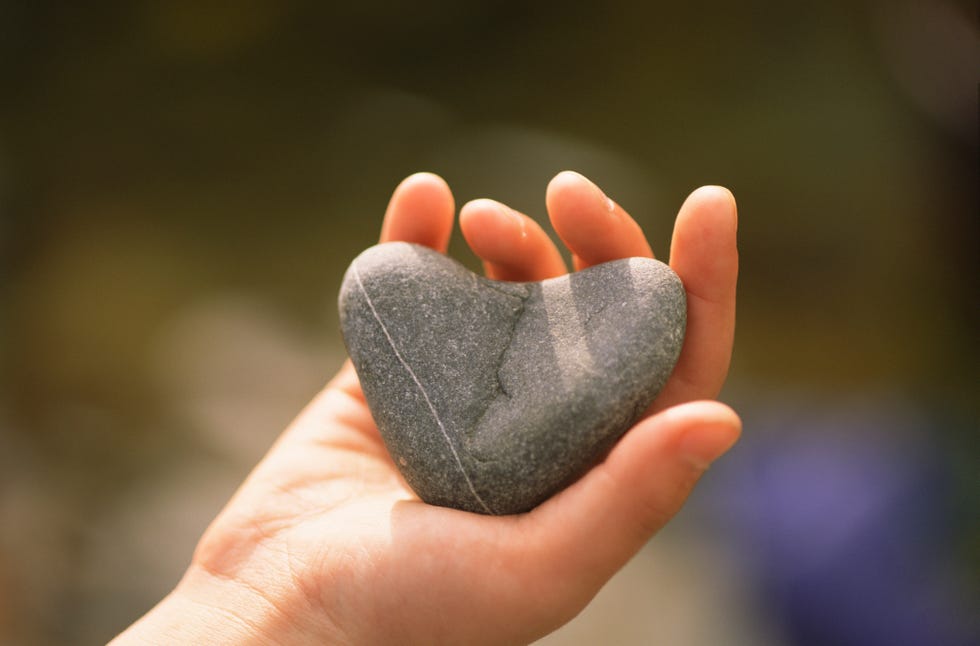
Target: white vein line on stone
x=432 y=409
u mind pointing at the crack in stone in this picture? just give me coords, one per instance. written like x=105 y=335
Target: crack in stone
x=500 y=388
x=593 y=314
x=510 y=336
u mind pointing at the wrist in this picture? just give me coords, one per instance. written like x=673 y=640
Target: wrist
x=179 y=620
x=204 y=609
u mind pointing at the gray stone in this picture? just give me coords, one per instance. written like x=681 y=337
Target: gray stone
x=492 y=396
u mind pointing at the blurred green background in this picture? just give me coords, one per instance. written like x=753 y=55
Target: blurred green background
x=183 y=184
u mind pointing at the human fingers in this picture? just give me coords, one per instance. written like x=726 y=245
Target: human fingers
x=421 y=210
x=591 y=225
x=511 y=245
x=586 y=533
x=703 y=253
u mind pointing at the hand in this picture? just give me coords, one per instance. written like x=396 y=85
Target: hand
x=324 y=543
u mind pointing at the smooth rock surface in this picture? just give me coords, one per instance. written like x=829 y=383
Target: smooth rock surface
x=492 y=396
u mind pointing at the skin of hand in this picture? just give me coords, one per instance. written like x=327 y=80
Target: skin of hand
x=324 y=542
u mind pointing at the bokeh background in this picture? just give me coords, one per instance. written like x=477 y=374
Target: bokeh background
x=183 y=184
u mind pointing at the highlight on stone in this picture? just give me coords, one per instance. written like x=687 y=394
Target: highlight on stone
x=492 y=396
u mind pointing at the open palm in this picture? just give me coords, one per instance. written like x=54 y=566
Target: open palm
x=324 y=543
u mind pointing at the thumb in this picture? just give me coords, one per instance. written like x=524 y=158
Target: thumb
x=587 y=532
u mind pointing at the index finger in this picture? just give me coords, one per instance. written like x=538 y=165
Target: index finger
x=421 y=210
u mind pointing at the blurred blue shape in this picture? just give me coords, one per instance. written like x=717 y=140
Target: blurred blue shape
x=843 y=517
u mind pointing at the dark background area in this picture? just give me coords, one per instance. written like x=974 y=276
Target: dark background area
x=183 y=184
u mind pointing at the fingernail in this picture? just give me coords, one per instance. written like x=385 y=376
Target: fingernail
x=514 y=216
x=610 y=205
x=510 y=214
x=703 y=445
x=606 y=200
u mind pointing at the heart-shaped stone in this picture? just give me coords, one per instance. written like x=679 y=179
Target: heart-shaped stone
x=491 y=396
